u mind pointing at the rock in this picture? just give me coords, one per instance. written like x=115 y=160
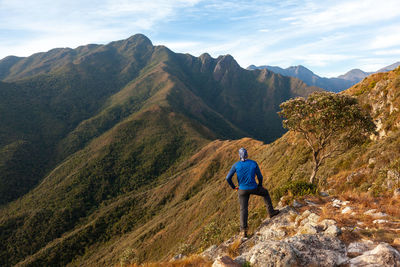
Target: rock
x=210 y=253
x=306 y=213
x=372 y=161
x=396 y=193
x=225 y=261
x=324 y=194
x=296 y=204
x=301 y=250
x=178 y=257
x=333 y=230
x=393 y=178
x=347 y=210
x=396 y=241
x=326 y=223
x=369 y=212
x=272 y=253
x=380 y=221
x=374 y=213
x=314 y=218
x=308 y=228
x=381 y=255
x=357 y=248
x=318 y=250
x=310 y=203
x=337 y=203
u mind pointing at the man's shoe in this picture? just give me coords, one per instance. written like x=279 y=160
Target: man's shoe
x=273 y=213
x=243 y=234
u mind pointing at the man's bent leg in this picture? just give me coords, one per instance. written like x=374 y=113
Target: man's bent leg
x=261 y=191
x=244 y=204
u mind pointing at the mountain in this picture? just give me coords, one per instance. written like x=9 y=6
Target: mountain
x=354 y=75
x=310 y=78
x=102 y=143
x=389 y=68
x=337 y=84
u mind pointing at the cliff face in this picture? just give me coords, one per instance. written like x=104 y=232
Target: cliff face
x=380 y=94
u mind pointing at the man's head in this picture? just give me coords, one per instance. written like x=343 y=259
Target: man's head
x=243 y=154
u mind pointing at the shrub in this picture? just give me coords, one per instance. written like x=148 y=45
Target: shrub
x=295 y=188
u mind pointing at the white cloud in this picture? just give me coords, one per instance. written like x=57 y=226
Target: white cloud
x=319 y=34
x=387 y=52
x=386 y=37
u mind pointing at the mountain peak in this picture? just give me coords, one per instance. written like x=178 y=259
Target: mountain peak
x=354 y=75
x=139 y=38
x=226 y=64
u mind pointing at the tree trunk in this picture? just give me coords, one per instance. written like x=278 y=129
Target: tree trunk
x=313 y=175
x=317 y=163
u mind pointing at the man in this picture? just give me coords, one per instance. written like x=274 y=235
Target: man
x=246 y=170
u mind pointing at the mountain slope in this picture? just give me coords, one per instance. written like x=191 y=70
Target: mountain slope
x=107 y=125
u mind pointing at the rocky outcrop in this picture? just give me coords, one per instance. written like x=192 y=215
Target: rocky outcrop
x=303 y=239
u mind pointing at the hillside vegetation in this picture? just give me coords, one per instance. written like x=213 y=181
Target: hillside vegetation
x=96 y=145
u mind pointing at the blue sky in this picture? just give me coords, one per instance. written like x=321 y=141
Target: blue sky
x=328 y=37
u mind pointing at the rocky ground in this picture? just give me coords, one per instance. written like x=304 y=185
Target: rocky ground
x=319 y=231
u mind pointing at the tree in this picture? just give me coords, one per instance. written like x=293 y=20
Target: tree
x=330 y=123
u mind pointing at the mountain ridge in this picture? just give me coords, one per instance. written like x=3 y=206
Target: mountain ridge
x=334 y=84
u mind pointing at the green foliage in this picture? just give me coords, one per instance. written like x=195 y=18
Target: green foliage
x=211 y=234
x=330 y=123
x=295 y=188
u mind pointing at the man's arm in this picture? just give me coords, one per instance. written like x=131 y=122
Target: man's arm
x=230 y=175
x=259 y=175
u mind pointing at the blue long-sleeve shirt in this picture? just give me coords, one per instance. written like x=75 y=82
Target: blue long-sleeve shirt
x=245 y=171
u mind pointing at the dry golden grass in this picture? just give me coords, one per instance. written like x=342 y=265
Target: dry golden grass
x=191 y=261
x=358 y=225
x=233 y=249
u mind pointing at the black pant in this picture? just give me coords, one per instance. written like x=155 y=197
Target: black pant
x=244 y=196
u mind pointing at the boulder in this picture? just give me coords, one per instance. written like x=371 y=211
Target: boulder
x=299 y=250
x=357 y=248
x=271 y=253
x=318 y=250
x=381 y=255
x=225 y=261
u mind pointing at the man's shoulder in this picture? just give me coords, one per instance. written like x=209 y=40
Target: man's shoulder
x=247 y=162
x=252 y=161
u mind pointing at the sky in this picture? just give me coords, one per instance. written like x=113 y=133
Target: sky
x=328 y=37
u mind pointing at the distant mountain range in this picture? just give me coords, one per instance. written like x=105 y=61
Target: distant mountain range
x=337 y=84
